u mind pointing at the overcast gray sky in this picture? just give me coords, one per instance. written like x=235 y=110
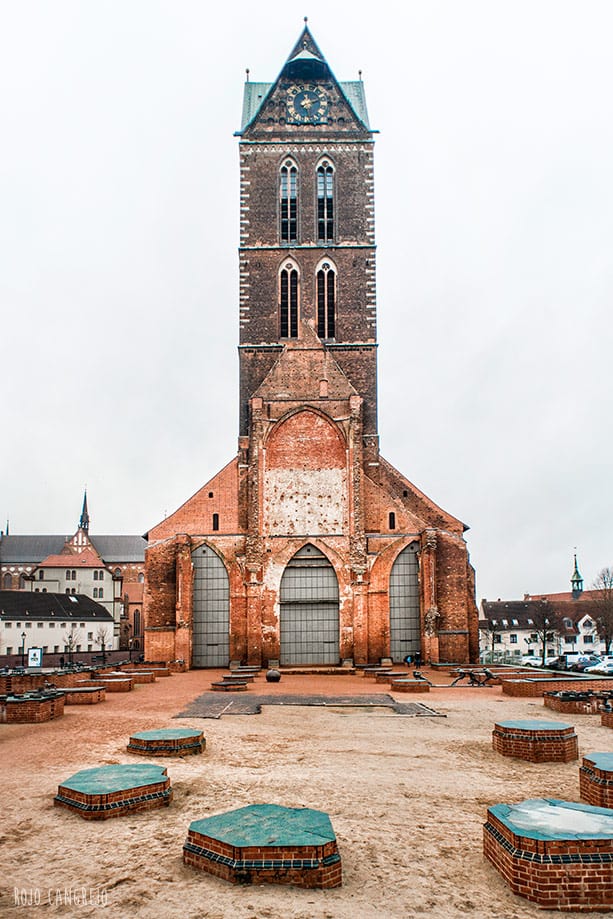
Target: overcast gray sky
x=118 y=259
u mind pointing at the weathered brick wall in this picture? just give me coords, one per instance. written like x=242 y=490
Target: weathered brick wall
x=536 y=746
x=538 y=686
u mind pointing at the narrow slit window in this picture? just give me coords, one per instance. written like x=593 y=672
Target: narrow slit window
x=326 y=301
x=325 y=203
x=392 y=520
x=215 y=522
x=288 y=307
x=288 y=190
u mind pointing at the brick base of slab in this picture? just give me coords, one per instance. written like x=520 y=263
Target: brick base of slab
x=596 y=782
x=140 y=676
x=558 y=745
x=607 y=720
x=568 y=875
x=532 y=687
x=167 y=746
x=406 y=685
x=229 y=687
x=302 y=866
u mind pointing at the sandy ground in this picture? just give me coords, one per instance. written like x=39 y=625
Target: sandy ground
x=407 y=798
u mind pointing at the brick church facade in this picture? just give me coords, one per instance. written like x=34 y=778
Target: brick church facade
x=308 y=547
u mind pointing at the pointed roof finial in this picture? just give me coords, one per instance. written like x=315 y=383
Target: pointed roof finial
x=306 y=19
x=247 y=73
x=84 y=519
x=576 y=581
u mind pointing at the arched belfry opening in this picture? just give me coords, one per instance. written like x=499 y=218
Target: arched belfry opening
x=405 y=633
x=211 y=610
x=309 y=630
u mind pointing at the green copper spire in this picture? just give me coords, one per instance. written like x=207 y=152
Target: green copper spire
x=576 y=582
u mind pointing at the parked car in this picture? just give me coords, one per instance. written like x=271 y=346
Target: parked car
x=586 y=660
x=531 y=660
x=604 y=667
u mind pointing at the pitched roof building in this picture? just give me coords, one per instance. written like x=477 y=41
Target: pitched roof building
x=308 y=547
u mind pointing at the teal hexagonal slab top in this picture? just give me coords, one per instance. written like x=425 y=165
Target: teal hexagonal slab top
x=549 y=818
x=268 y=825
x=167 y=734
x=602 y=761
x=104 y=780
x=534 y=725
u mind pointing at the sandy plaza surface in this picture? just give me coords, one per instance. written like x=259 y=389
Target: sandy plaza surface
x=407 y=797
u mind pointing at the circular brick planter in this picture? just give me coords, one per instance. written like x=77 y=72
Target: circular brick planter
x=536 y=741
x=167 y=742
x=266 y=844
x=596 y=779
x=110 y=791
x=555 y=853
x=408 y=685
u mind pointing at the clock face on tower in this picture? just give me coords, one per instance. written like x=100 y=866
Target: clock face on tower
x=306 y=104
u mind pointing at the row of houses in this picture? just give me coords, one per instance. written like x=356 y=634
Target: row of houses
x=54 y=584
x=570 y=623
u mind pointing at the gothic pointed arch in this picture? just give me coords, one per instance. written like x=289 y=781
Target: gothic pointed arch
x=309 y=609
x=325 y=181
x=326 y=286
x=211 y=609
x=405 y=631
x=289 y=298
x=288 y=201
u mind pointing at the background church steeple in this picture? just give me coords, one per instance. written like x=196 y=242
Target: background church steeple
x=576 y=582
x=84 y=519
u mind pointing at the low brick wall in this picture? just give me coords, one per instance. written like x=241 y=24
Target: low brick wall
x=140 y=676
x=115 y=685
x=390 y=675
x=538 y=686
x=596 y=779
x=607 y=720
x=19 y=683
x=85 y=695
x=574 y=874
x=536 y=741
x=589 y=706
x=409 y=685
x=31 y=709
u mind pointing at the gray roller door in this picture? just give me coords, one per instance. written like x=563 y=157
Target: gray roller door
x=211 y=633
x=405 y=635
x=309 y=610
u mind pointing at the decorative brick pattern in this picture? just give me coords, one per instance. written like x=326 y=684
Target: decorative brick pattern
x=563 y=874
x=536 y=741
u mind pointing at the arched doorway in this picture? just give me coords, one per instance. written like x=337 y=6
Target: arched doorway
x=309 y=610
x=405 y=633
x=211 y=614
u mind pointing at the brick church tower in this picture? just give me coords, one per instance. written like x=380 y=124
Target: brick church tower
x=308 y=547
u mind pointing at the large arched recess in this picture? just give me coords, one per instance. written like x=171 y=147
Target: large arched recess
x=309 y=610
x=211 y=610
x=305 y=477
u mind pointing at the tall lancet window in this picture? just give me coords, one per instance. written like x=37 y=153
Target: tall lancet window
x=288 y=301
x=288 y=193
x=326 y=301
x=325 y=202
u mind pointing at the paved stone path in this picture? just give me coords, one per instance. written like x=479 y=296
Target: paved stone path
x=209 y=705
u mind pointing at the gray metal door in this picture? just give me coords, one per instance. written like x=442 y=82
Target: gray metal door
x=211 y=633
x=309 y=610
x=404 y=604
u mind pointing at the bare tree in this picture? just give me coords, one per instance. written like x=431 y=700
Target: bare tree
x=102 y=637
x=546 y=625
x=72 y=640
x=602 y=595
x=489 y=629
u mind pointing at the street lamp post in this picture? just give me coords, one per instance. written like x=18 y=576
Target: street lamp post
x=23 y=649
